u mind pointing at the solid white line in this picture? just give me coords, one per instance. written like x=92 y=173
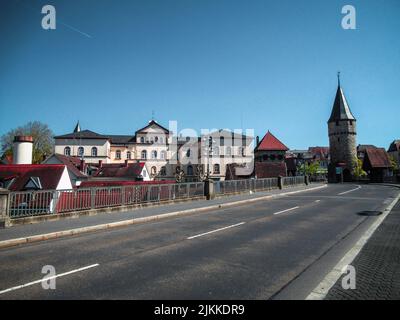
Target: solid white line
x=203 y=234
x=48 y=278
x=283 y=211
x=320 y=291
x=358 y=187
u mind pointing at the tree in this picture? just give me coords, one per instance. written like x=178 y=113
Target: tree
x=42 y=140
x=311 y=169
x=358 y=171
x=394 y=165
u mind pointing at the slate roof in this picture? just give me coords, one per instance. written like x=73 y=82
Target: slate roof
x=49 y=175
x=84 y=134
x=122 y=139
x=394 y=146
x=153 y=122
x=341 y=109
x=271 y=143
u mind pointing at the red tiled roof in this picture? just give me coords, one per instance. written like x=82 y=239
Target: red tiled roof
x=105 y=183
x=72 y=163
x=376 y=158
x=271 y=143
x=49 y=174
x=320 y=152
x=132 y=170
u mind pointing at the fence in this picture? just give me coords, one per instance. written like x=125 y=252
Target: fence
x=239 y=186
x=34 y=203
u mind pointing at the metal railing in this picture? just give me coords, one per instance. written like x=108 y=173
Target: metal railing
x=292 y=181
x=35 y=203
x=239 y=186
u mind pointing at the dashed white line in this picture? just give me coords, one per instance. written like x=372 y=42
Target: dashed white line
x=48 y=278
x=283 y=211
x=317 y=201
x=213 y=231
x=342 y=193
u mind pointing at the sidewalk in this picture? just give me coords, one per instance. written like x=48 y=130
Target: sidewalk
x=377 y=265
x=139 y=215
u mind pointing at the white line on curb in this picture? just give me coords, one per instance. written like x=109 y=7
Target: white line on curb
x=48 y=278
x=283 y=211
x=320 y=291
x=213 y=231
x=342 y=193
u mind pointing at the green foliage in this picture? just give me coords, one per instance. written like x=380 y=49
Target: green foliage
x=42 y=140
x=394 y=165
x=311 y=169
x=358 y=171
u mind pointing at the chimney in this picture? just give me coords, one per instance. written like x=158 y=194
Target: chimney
x=82 y=166
x=22 y=149
x=257 y=140
x=100 y=164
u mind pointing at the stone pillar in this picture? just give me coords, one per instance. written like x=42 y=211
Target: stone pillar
x=4 y=214
x=280 y=182
x=209 y=190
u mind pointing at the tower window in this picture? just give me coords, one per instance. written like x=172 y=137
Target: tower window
x=351 y=122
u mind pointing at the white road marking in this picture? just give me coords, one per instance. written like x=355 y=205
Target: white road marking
x=317 y=201
x=213 y=231
x=342 y=193
x=48 y=278
x=283 y=211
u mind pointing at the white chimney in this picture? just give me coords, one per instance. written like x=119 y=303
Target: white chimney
x=22 y=150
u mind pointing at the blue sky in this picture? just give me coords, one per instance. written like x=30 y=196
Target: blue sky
x=265 y=65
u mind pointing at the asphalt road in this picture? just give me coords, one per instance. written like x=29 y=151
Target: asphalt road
x=275 y=249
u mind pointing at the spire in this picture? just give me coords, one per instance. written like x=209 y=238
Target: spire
x=338 y=78
x=340 y=110
x=77 y=128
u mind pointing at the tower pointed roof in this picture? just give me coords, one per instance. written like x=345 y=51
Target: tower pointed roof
x=77 y=128
x=340 y=110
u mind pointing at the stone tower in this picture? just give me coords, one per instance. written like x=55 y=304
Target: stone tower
x=342 y=139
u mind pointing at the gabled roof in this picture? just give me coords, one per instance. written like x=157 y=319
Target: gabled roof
x=84 y=134
x=376 y=158
x=394 y=146
x=132 y=170
x=340 y=109
x=73 y=164
x=151 y=123
x=271 y=143
x=49 y=175
x=122 y=139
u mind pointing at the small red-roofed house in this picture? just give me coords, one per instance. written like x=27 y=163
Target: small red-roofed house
x=270 y=157
x=377 y=164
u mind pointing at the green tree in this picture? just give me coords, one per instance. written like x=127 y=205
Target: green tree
x=311 y=168
x=358 y=171
x=42 y=140
x=394 y=164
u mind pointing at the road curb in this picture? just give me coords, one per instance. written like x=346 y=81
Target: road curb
x=323 y=288
x=123 y=223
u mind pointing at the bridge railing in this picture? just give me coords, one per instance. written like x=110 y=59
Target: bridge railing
x=35 y=203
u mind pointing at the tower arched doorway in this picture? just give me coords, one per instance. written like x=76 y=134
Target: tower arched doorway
x=347 y=175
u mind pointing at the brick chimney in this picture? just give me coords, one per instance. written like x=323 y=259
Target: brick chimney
x=257 y=140
x=82 y=166
x=100 y=164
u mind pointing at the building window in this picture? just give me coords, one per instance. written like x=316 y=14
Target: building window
x=156 y=139
x=81 y=151
x=67 y=151
x=241 y=151
x=228 y=151
x=94 y=152
x=154 y=154
x=163 y=171
x=161 y=140
x=188 y=153
x=221 y=141
x=216 y=151
x=153 y=170
x=118 y=154
x=272 y=157
x=190 y=170
x=163 y=155
x=141 y=139
x=351 y=122
x=144 y=154
x=129 y=155
x=216 y=168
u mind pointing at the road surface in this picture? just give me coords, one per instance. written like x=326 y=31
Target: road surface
x=273 y=249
